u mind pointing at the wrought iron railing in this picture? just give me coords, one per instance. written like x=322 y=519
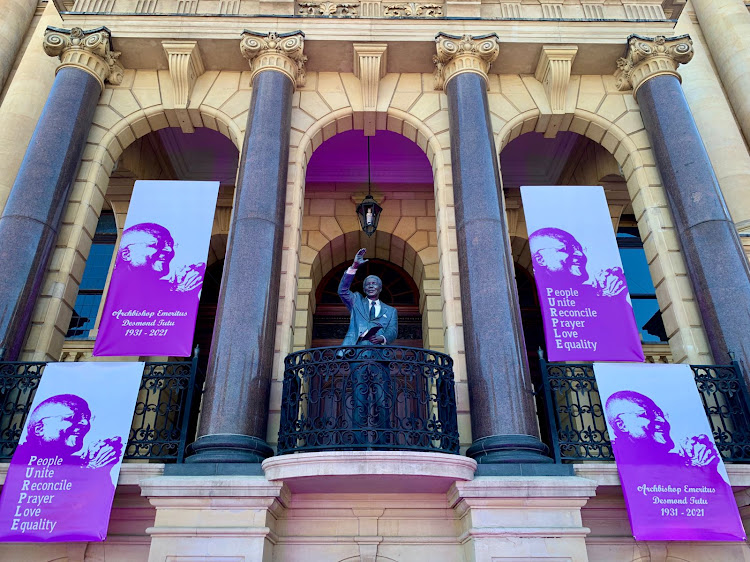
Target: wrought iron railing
x=164 y=412
x=572 y=410
x=368 y=398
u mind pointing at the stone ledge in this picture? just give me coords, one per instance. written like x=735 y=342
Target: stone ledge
x=605 y=473
x=131 y=473
x=373 y=471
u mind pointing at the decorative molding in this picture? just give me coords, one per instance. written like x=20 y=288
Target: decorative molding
x=146 y=6
x=281 y=52
x=510 y=10
x=369 y=9
x=458 y=54
x=552 y=11
x=90 y=51
x=644 y=12
x=553 y=71
x=187 y=7
x=230 y=7
x=413 y=10
x=93 y=6
x=185 y=66
x=369 y=66
x=328 y=9
x=648 y=57
x=593 y=10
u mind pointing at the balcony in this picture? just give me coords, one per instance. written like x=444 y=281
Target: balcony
x=165 y=411
x=368 y=398
x=380 y=398
x=573 y=423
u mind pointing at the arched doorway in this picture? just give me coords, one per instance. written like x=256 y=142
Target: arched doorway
x=331 y=318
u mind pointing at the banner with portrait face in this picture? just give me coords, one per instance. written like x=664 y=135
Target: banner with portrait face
x=152 y=302
x=673 y=478
x=62 y=477
x=586 y=309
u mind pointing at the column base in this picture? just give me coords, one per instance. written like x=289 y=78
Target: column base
x=228 y=448
x=509 y=449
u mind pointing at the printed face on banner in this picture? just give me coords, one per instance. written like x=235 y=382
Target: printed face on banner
x=673 y=478
x=155 y=288
x=579 y=277
x=63 y=474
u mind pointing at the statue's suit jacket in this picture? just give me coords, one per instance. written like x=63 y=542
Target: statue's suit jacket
x=359 y=315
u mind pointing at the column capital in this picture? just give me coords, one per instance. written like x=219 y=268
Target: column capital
x=90 y=51
x=463 y=53
x=275 y=51
x=648 y=57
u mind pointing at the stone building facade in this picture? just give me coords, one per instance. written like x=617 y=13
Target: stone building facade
x=646 y=98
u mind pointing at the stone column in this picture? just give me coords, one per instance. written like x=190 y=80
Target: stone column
x=234 y=418
x=24 y=100
x=712 y=250
x=31 y=218
x=503 y=422
x=718 y=127
x=15 y=22
x=726 y=27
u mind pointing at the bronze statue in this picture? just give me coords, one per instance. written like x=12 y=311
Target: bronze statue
x=371 y=322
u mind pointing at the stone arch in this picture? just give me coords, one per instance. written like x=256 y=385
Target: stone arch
x=444 y=282
x=612 y=119
x=415 y=255
x=123 y=115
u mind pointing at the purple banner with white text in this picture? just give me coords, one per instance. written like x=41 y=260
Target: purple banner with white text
x=673 y=478
x=586 y=308
x=152 y=301
x=62 y=477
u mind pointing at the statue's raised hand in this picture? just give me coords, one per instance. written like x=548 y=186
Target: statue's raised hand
x=359 y=259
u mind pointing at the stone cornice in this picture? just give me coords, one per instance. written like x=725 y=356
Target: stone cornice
x=281 y=52
x=648 y=57
x=90 y=51
x=457 y=54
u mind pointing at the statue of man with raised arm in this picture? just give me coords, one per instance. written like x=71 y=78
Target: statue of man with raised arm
x=371 y=322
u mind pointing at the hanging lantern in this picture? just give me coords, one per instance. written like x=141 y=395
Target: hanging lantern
x=368 y=212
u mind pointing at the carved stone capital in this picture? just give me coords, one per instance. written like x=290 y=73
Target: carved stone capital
x=648 y=57
x=90 y=51
x=281 y=52
x=458 y=54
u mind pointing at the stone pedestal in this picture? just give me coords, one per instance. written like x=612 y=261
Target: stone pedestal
x=234 y=418
x=31 y=218
x=228 y=518
x=522 y=518
x=503 y=421
x=712 y=250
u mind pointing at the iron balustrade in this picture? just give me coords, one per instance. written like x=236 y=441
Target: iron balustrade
x=164 y=412
x=368 y=398
x=575 y=417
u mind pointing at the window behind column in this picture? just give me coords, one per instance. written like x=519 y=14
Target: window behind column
x=642 y=291
x=94 y=278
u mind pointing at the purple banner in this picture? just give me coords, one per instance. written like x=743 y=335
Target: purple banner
x=673 y=479
x=152 y=300
x=62 y=477
x=583 y=295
